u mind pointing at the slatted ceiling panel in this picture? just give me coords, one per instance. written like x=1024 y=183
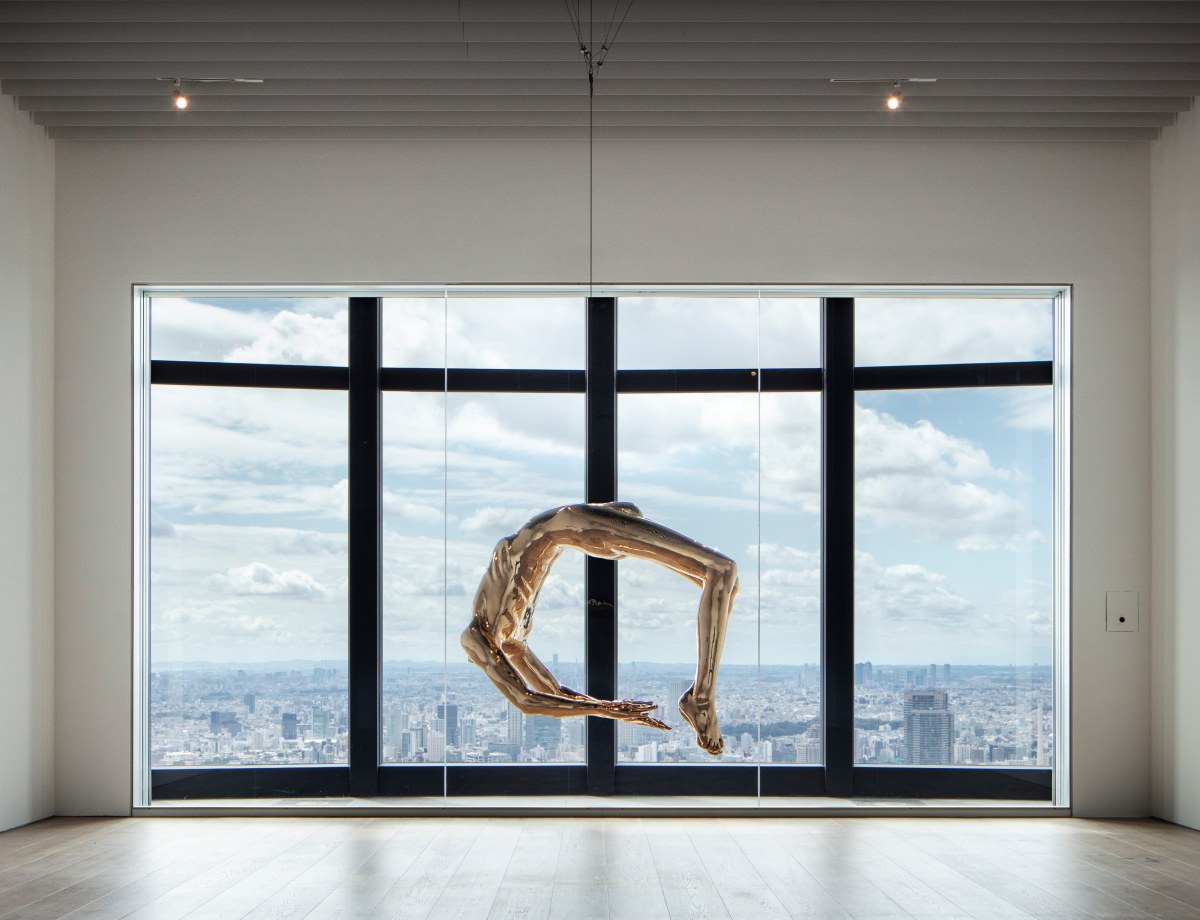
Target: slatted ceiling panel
x=1038 y=69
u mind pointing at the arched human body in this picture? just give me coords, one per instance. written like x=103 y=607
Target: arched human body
x=503 y=608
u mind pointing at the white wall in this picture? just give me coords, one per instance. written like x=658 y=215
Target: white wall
x=665 y=211
x=1176 y=444
x=26 y=468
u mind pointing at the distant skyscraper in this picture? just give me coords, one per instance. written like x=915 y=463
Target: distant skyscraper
x=668 y=711
x=287 y=726
x=543 y=731
x=928 y=727
x=448 y=713
x=249 y=701
x=933 y=676
x=323 y=726
x=945 y=675
x=516 y=734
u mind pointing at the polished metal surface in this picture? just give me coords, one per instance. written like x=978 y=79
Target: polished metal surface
x=502 y=618
x=430 y=69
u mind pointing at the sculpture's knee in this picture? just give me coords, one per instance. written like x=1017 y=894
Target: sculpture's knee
x=474 y=644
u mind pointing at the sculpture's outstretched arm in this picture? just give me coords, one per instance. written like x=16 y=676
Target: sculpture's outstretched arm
x=482 y=649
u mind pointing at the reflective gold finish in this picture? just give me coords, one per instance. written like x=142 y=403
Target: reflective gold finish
x=496 y=640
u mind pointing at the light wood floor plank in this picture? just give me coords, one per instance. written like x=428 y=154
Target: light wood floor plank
x=532 y=868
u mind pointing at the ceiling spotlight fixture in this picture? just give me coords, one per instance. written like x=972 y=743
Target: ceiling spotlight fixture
x=895 y=98
x=180 y=99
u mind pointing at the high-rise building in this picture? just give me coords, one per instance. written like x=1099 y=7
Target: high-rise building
x=287 y=726
x=945 y=675
x=543 y=731
x=516 y=719
x=323 y=724
x=669 y=710
x=933 y=676
x=448 y=713
x=928 y=727
x=249 y=702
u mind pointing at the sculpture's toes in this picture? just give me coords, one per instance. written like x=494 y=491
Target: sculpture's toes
x=702 y=717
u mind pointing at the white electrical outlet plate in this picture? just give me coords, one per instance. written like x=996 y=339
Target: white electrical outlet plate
x=1122 y=611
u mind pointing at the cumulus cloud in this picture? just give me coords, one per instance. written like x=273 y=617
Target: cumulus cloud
x=932 y=485
x=260 y=578
x=293 y=337
x=493 y=520
x=935 y=331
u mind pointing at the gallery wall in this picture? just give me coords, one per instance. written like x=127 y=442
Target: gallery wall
x=26 y=468
x=1176 y=445
x=502 y=211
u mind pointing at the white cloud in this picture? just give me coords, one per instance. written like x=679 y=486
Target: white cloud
x=931 y=485
x=293 y=337
x=259 y=578
x=492 y=520
x=924 y=331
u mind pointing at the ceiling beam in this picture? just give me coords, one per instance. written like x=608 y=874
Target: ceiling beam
x=633 y=33
x=861 y=11
x=619 y=72
x=160 y=101
x=716 y=119
x=891 y=132
x=578 y=88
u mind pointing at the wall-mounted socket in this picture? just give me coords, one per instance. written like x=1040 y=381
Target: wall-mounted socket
x=1122 y=611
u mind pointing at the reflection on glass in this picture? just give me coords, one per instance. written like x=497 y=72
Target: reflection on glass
x=688 y=461
x=507 y=456
x=248 y=577
x=250 y=330
x=790 y=566
x=897 y=331
x=687 y=332
x=954 y=577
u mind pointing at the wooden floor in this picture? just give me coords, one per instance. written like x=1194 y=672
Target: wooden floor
x=579 y=868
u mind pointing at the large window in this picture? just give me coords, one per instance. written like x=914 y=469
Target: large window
x=323 y=475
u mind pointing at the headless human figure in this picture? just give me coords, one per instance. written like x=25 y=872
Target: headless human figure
x=502 y=618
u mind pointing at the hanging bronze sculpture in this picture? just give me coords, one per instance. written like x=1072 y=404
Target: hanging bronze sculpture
x=502 y=615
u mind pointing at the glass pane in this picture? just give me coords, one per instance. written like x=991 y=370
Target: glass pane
x=689 y=461
x=896 y=331
x=687 y=332
x=954 y=577
x=790 y=561
x=517 y=332
x=248 y=577
x=508 y=457
x=414 y=331
x=253 y=330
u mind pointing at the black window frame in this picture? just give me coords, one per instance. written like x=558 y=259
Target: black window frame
x=601 y=381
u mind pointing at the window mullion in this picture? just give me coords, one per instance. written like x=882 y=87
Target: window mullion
x=365 y=519
x=837 y=543
x=601 y=574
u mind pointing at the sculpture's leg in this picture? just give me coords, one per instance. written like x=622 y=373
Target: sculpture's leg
x=612 y=535
x=698 y=704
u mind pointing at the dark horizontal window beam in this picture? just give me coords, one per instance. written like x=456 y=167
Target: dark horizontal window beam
x=945 y=376
x=1028 y=784
x=724 y=380
x=273 y=376
x=249 y=782
x=481 y=380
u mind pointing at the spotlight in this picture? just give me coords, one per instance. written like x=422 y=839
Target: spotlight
x=896 y=98
x=177 y=96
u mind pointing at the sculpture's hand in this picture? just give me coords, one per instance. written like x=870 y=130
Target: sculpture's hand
x=636 y=711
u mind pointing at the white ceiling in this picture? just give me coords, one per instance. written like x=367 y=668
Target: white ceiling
x=1006 y=69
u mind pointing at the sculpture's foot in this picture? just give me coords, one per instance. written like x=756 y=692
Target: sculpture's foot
x=702 y=717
